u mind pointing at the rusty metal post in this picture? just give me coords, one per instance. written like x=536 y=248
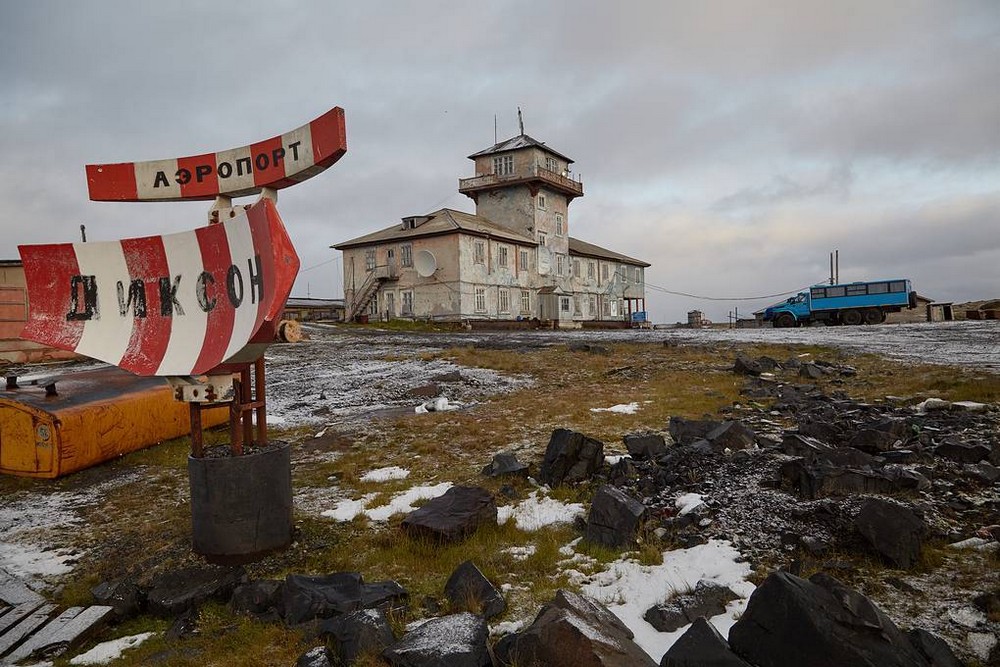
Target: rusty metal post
x=246 y=398
x=235 y=413
x=197 y=440
x=261 y=399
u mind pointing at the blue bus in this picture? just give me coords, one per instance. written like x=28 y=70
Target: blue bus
x=848 y=303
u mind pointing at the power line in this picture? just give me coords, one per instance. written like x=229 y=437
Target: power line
x=316 y=266
x=724 y=298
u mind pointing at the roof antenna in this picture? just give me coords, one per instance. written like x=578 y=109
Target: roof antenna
x=495 y=140
x=520 y=121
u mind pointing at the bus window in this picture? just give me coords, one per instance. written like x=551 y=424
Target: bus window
x=834 y=291
x=897 y=286
x=878 y=288
x=817 y=292
x=857 y=290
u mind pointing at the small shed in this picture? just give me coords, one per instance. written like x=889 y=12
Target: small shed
x=310 y=310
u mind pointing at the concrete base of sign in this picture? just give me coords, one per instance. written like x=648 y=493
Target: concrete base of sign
x=241 y=506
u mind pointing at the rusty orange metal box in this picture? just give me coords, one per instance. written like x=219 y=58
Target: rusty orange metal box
x=95 y=416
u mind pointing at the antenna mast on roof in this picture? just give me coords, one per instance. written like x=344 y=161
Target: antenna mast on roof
x=495 y=140
x=520 y=121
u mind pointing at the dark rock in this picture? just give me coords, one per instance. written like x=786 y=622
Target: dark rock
x=451 y=376
x=746 y=366
x=623 y=472
x=791 y=363
x=454 y=515
x=813 y=450
x=578 y=346
x=185 y=625
x=614 y=518
x=314 y=657
x=570 y=458
x=429 y=390
x=892 y=530
x=468 y=588
x=388 y=596
x=731 y=435
x=576 y=631
x=458 y=640
x=504 y=464
x=261 y=598
x=933 y=648
x=687 y=431
x=701 y=646
x=768 y=364
x=708 y=599
x=962 y=452
x=504 y=649
x=366 y=631
x=880 y=436
x=176 y=591
x=122 y=595
x=989 y=602
x=306 y=598
x=643 y=446
x=792 y=622
x=987 y=473
x=812 y=371
x=815 y=481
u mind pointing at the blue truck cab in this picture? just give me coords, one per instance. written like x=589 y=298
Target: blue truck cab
x=847 y=303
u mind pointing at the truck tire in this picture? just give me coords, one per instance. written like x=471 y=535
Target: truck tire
x=874 y=316
x=851 y=317
x=784 y=321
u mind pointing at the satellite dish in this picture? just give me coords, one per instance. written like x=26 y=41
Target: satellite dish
x=425 y=263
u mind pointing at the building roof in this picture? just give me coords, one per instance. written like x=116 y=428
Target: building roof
x=578 y=247
x=306 y=302
x=10 y=262
x=444 y=221
x=514 y=143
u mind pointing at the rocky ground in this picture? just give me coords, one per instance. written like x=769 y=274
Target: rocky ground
x=787 y=474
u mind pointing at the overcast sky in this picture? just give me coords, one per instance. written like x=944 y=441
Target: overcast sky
x=733 y=145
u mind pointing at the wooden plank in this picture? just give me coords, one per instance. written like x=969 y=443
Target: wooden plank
x=43 y=637
x=30 y=623
x=75 y=630
x=16 y=613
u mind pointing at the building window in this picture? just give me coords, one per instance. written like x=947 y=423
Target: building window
x=480 y=299
x=524 y=260
x=502 y=255
x=564 y=304
x=560 y=230
x=503 y=165
x=638 y=274
x=607 y=308
x=370 y=259
x=504 y=300
x=542 y=238
x=479 y=253
x=406 y=302
x=559 y=265
x=406 y=255
x=576 y=267
x=541 y=201
x=551 y=164
x=604 y=271
x=576 y=305
x=373 y=306
x=592 y=310
x=590 y=270
x=525 y=301
x=623 y=273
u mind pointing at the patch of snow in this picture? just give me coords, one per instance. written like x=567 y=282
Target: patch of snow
x=23 y=560
x=977 y=543
x=385 y=474
x=521 y=553
x=629 y=589
x=346 y=510
x=967 y=617
x=105 y=652
x=537 y=511
x=621 y=408
x=688 y=503
x=931 y=404
x=981 y=644
x=615 y=458
x=439 y=404
x=509 y=627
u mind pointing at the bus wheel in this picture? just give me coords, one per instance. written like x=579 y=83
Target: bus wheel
x=784 y=321
x=874 y=316
x=851 y=317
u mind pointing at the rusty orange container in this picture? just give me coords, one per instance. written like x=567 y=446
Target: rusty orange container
x=94 y=416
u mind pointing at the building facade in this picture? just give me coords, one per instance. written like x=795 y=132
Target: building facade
x=513 y=259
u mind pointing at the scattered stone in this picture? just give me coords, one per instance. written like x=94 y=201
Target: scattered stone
x=744 y=365
x=450 y=376
x=458 y=640
x=453 y=516
x=892 y=530
x=575 y=631
x=314 y=657
x=687 y=431
x=122 y=595
x=388 y=596
x=468 y=588
x=812 y=371
x=614 y=518
x=570 y=458
x=962 y=452
x=506 y=464
x=987 y=473
x=934 y=649
x=791 y=622
x=429 y=390
x=185 y=625
x=175 y=591
x=931 y=405
x=262 y=598
x=731 y=435
x=708 y=599
x=306 y=598
x=356 y=633
x=701 y=645
x=644 y=446
x=578 y=346
x=814 y=450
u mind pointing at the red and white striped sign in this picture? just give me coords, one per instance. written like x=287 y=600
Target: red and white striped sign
x=277 y=163
x=163 y=305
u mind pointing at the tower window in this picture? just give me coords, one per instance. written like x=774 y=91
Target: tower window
x=560 y=228
x=551 y=164
x=503 y=165
x=541 y=201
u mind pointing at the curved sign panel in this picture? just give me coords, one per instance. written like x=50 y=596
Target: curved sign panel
x=274 y=163
x=162 y=305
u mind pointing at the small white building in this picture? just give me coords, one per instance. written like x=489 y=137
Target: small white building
x=512 y=260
